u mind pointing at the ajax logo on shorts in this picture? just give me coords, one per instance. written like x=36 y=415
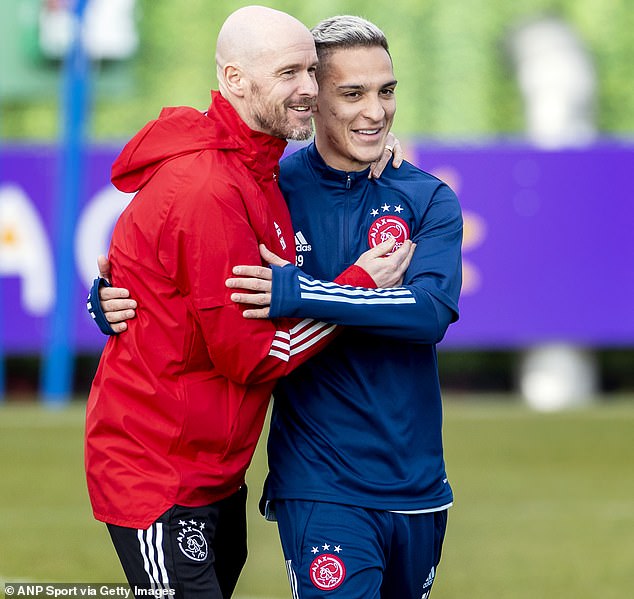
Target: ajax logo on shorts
x=191 y=540
x=327 y=570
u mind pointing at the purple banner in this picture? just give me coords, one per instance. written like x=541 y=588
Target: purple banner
x=548 y=250
x=29 y=180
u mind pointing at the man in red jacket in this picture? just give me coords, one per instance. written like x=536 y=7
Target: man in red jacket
x=178 y=403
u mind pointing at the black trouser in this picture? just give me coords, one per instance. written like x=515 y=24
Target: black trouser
x=188 y=553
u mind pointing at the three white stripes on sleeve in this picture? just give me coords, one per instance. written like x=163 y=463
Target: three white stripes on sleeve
x=308 y=332
x=300 y=338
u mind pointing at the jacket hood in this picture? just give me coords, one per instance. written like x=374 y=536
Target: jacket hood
x=183 y=130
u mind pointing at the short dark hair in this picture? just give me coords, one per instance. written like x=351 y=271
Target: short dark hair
x=346 y=31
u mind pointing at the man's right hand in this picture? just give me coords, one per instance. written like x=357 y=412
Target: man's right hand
x=115 y=301
x=387 y=269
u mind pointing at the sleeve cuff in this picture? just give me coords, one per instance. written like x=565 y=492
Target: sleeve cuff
x=94 y=306
x=357 y=277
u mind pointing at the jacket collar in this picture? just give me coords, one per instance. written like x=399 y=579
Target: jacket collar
x=337 y=177
x=260 y=152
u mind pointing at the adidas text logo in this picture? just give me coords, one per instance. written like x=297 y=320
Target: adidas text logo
x=301 y=245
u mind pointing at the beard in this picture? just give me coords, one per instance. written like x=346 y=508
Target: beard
x=273 y=118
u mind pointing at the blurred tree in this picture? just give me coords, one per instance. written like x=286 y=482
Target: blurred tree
x=34 y=36
x=455 y=79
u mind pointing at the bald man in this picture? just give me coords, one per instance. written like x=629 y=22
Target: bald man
x=178 y=403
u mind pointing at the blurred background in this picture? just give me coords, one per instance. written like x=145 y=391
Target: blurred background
x=525 y=108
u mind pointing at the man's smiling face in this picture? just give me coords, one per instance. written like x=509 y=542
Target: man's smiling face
x=282 y=89
x=355 y=106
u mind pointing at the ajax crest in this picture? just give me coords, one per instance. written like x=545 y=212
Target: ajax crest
x=191 y=540
x=385 y=227
x=327 y=572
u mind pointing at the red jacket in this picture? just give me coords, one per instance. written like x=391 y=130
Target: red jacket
x=178 y=401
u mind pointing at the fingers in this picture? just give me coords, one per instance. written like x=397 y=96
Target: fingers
x=408 y=259
x=119 y=327
x=402 y=257
x=259 y=313
x=378 y=166
x=103 y=264
x=251 y=283
x=382 y=248
x=109 y=293
x=255 y=279
x=387 y=269
x=398 y=262
x=257 y=272
x=271 y=258
x=397 y=150
x=117 y=311
x=397 y=154
x=392 y=151
x=118 y=305
x=119 y=316
x=405 y=250
x=252 y=299
x=115 y=302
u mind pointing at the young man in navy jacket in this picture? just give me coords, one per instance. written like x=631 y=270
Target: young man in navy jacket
x=357 y=478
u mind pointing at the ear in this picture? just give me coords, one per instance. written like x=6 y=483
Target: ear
x=235 y=79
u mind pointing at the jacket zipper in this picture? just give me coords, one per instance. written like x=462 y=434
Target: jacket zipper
x=346 y=222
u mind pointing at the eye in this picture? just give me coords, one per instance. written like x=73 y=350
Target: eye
x=389 y=91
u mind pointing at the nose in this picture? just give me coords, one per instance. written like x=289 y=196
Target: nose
x=374 y=109
x=308 y=85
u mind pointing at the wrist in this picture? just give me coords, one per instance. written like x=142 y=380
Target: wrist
x=357 y=277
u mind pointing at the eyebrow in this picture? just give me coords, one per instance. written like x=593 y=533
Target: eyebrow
x=295 y=66
x=351 y=86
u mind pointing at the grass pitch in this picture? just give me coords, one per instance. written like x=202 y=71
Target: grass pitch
x=544 y=504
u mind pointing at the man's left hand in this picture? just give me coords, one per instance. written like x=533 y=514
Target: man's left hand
x=392 y=151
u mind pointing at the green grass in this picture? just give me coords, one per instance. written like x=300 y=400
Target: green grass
x=544 y=504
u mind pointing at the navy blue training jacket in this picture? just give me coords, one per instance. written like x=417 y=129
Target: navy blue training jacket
x=361 y=422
